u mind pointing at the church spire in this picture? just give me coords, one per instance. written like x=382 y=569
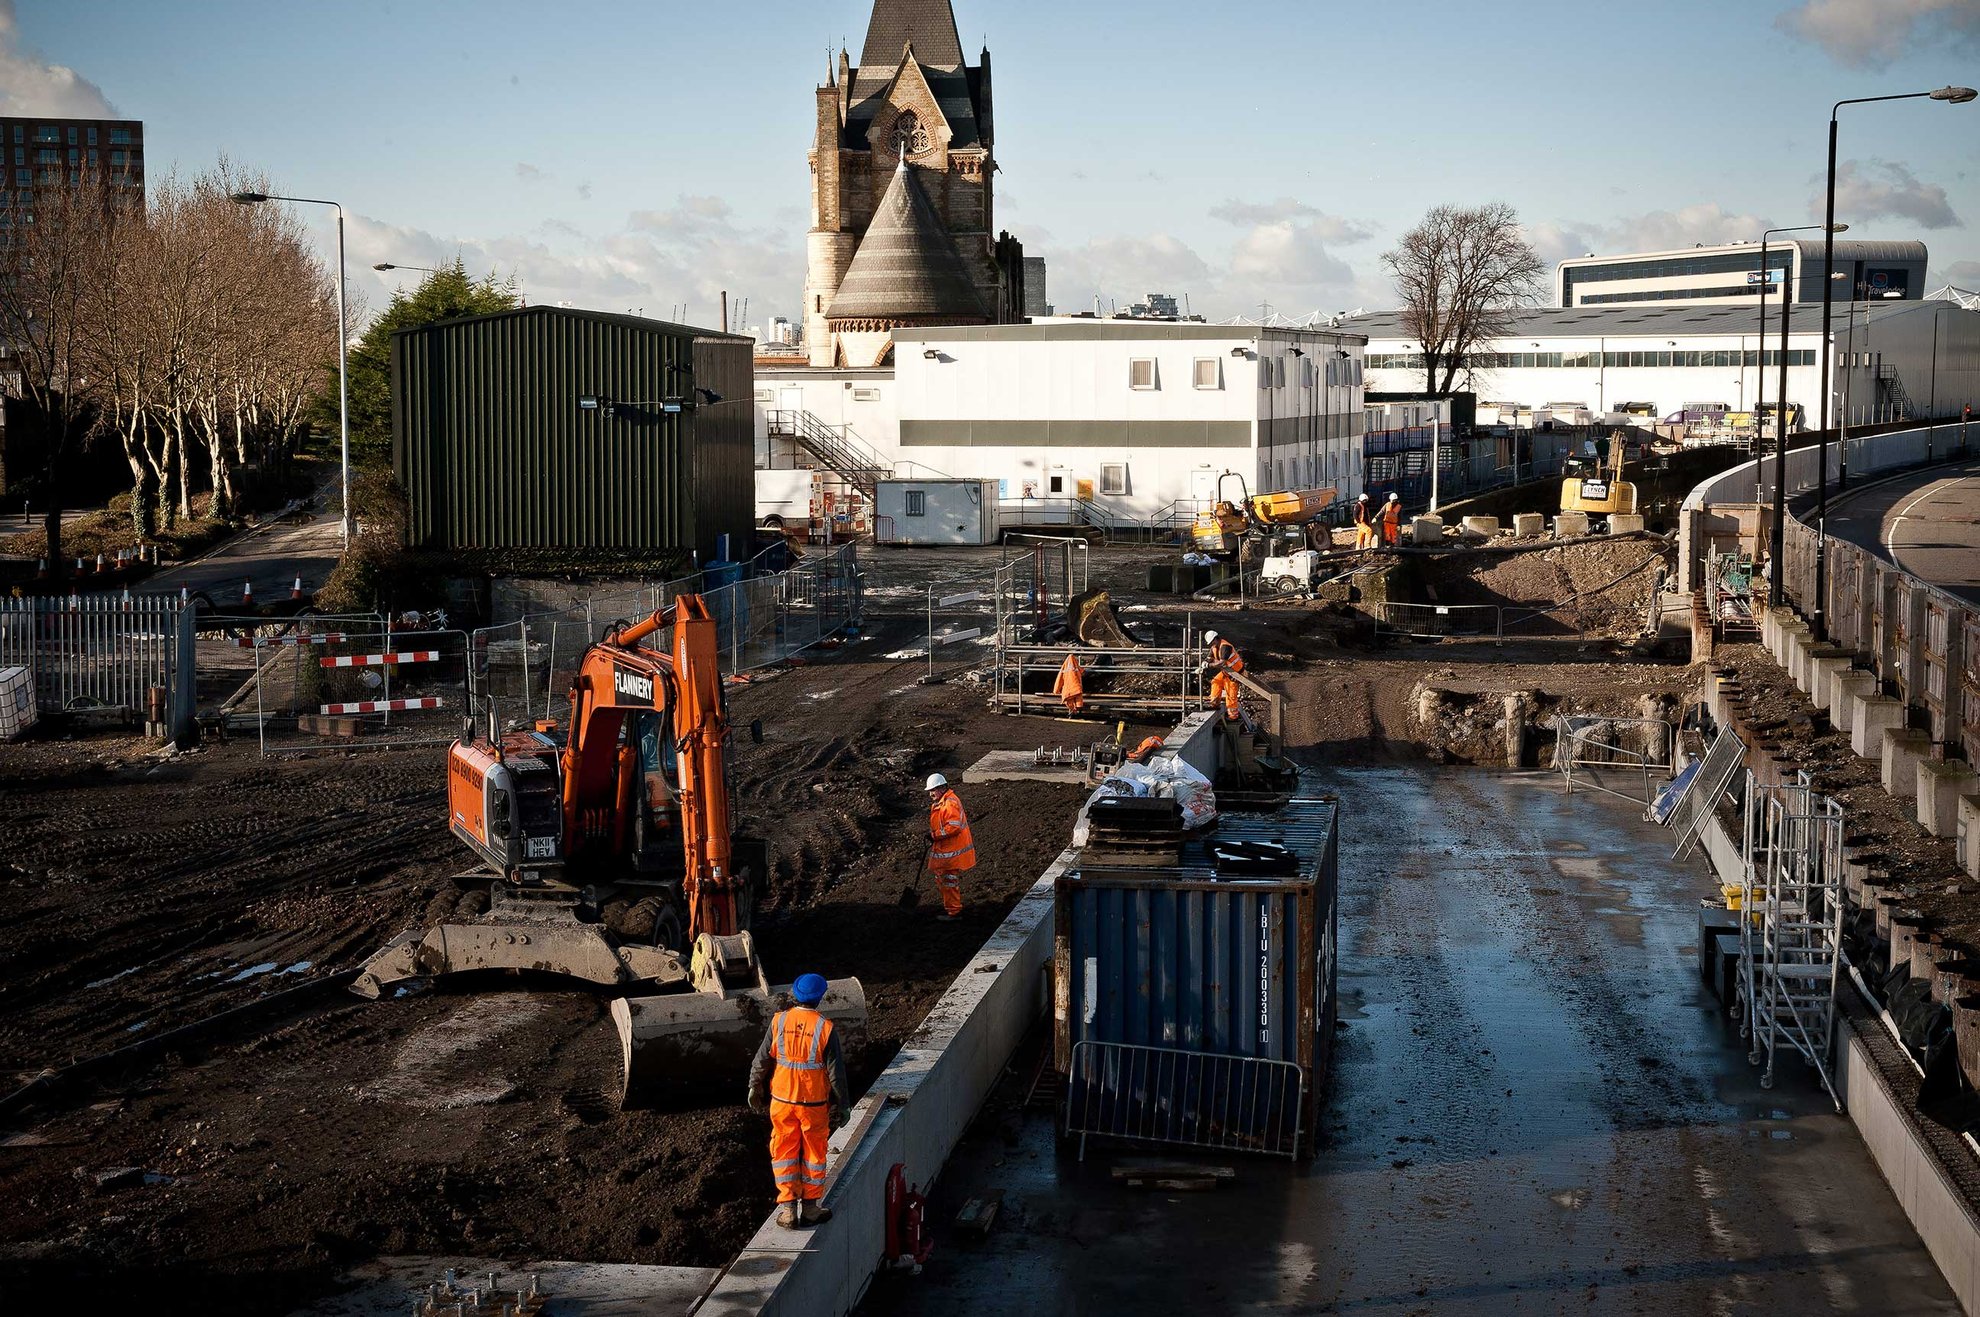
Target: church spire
x=928 y=25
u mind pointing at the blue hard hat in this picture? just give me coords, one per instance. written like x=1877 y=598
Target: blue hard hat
x=809 y=989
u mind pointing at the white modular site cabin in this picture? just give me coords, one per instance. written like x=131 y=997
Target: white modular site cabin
x=936 y=512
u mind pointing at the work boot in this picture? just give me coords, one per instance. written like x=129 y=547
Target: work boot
x=787 y=1215
x=946 y=918
x=812 y=1214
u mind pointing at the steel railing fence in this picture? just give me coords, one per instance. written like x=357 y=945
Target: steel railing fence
x=93 y=651
x=1190 y=1099
x=1436 y=621
x=522 y=669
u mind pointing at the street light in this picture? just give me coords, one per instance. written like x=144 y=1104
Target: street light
x=1779 y=539
x=1951 y=95
x=343 y=342
x=387 y=265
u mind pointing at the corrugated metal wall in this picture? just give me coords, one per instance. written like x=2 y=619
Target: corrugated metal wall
x=495 y=452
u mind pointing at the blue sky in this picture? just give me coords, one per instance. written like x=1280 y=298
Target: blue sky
x=647 y=154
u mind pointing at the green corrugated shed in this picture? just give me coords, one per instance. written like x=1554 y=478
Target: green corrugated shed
x=494 y=451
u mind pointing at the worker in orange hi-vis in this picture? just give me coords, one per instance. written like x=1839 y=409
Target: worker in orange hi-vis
x=799 y=1076
x=1070 y=685
x=1392 y=520
x=1142 y=753
x=1364 y=530
x=1224 y=660
x=951 y=848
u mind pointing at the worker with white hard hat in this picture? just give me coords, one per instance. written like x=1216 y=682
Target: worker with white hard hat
x=1392 y=520
x=1224 y=660
x=951 y=848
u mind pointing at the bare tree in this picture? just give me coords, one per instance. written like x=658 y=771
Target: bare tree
x=50 y=273
x=1462 y=273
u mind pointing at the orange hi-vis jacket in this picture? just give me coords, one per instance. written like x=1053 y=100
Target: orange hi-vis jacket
x=953 y=849
x=1070 y=684
x=1225 y=653
x=1391 y=517
x=800 y=1048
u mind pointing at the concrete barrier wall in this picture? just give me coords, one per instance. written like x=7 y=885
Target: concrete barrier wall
x=912 y=1116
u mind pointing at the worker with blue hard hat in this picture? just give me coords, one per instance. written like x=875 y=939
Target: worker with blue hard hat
x=799 y=1077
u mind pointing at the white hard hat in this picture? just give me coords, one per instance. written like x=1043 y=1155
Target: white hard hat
x=1395 y=498
x=1209 y=637
x=1364 y=498
x=936 y=782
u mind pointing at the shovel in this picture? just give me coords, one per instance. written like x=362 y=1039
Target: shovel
x=911 y=894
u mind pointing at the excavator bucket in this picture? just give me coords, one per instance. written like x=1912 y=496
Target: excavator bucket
x=541 y=946
x=692 y=1041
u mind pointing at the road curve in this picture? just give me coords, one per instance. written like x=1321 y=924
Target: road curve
x=1927 y=522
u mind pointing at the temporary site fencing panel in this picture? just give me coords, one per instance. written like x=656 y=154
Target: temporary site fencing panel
x=523 y=669
x=345 y=688
x=97 y=651
x=1437 y=621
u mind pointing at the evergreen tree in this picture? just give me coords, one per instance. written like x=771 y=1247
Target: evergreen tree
x=446 y=294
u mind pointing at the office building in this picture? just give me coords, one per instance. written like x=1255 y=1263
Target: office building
x=1730 y=274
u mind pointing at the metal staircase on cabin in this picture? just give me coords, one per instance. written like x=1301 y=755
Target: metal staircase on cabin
x=841 y=451
x=1890 y=389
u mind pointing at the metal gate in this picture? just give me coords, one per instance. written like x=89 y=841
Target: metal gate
x=1191 y=1099
x=97 y=652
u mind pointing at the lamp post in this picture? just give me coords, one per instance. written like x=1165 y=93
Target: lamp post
x=1779 y=539
x=349 y=521
x=387 y=265
x=1953 y=96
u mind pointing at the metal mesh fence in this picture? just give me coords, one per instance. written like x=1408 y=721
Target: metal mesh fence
x=523 y=669
x=340 y=689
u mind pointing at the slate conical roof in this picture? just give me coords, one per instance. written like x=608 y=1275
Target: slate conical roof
x=930 y=25
x=907 y=266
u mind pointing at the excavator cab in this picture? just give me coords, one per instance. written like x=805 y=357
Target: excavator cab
x=610 y=859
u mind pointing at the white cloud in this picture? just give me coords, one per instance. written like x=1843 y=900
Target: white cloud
x=654 y=262
x=1284 y=262
x=1960 y=274
x=30 y=85
x=1879 y=189
x=528 y=173
x=1706 y=223
x=1285 y=210
x=1872 y=33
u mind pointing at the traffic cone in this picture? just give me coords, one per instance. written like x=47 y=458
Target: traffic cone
x=247 y=592
x=99 y=564
x=41 y=569
x=185 y=596
x=295 y=591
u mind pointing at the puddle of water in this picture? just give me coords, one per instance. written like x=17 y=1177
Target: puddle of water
x=299 y=967
x=120 y=974
x=820 y=695
x=265 y=967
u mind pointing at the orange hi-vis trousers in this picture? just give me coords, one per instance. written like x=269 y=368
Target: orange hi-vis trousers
x=798 y=1134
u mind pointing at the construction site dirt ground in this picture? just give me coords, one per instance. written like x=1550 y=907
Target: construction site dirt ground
x=148 y=892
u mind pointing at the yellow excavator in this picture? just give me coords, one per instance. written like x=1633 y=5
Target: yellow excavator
x=607 y=856
x=1604 y=493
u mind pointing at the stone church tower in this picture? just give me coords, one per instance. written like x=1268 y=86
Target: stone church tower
x=901 y=192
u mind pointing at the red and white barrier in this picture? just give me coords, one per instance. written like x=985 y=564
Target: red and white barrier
x=383 y=706
x=379 y=660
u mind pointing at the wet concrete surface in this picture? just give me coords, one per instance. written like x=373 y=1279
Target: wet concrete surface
x=1535 y=1108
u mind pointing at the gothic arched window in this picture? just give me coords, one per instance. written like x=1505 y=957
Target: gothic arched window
x=909 y=137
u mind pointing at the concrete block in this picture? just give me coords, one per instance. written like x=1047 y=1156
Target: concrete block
x=1822 y=672
x=1426 y=530
x=1486 y=526
x=1854 y=682
x=1903 y=749
x=1794 y=644
x=1870 y=716
x=1814 y=678
x=1941 y=783
x=1529 y=523
x=1570 y=525
x=1967 y=835
x=1625 y=523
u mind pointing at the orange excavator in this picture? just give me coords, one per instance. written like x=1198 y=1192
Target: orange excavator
x=607 y=857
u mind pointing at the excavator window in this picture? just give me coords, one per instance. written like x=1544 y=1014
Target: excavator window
x=499 y=814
